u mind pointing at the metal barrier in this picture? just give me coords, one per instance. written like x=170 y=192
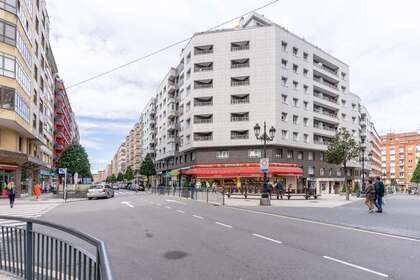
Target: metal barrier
x=208 y=195
x=48 y=257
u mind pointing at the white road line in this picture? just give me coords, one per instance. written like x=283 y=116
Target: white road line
x=175 y=201
x=198 y=217
x=327 y=224
x=168 y=207
x=266 y=238
x=356 y=266
x=224 y=225
x=127 y=203
x=180 y=211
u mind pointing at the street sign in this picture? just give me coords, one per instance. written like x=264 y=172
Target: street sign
x=62 y=171
x=264 y=163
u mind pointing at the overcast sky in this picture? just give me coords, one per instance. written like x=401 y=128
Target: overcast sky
x=378 y=39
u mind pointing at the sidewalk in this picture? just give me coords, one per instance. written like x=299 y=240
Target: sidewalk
x=44 y=198
x=5 y=276
x=401 y=214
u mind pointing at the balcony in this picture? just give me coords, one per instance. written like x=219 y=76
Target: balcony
x=203 y=67
x=239 y=99
x=239 y=46
x=322 y=142
x=200 y=50
x=325 y=82
x=171 y=112
x=171 y=126
x=239 y=117
x=321 y=66
x=208 y=101
x=200 y=84
x=239 y=63
x=239 y=134
x=239 y=81
x=203 y=119
x=326 y=97
x=203 y=136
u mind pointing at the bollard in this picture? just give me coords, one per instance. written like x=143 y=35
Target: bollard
x=223 y=196
x=207 y=195
x=29 y=252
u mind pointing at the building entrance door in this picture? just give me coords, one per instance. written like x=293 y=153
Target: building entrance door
x=6 y=176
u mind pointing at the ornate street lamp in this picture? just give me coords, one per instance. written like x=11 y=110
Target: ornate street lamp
x=264 y=138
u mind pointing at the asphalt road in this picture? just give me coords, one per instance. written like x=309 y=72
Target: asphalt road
x=157 y=237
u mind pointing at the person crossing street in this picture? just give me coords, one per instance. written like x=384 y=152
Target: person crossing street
x=379 y=194
x=11 y=189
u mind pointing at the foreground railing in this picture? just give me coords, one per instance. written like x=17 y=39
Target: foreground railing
x=38 y=254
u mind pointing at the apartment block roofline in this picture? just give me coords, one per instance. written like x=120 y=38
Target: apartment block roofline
x=266 y=22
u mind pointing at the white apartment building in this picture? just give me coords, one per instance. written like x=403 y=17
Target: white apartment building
x=372 y=144
x=148 y=117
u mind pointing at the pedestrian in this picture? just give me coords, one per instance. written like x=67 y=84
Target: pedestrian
x=37 y=190
x=279 y=189
x=192 y=189
x=379 y=194
x=269 y=188
x=370 y=195
x=11 y=189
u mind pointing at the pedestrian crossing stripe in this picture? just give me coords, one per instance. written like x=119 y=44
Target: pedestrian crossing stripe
x=23 y=210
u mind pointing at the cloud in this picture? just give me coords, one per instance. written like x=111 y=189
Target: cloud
x=378 y=39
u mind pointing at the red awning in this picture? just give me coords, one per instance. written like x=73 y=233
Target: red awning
x=7 y=167
x=248 y=171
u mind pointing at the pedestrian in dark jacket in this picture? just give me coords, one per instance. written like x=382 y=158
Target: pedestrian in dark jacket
x=379 y=194
x=279 y=189
x=370 y=196
x=192 y=189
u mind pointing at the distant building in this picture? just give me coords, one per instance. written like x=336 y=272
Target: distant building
x=400 y=154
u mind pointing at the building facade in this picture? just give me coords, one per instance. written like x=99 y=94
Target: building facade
x=400 y=154
x=26 y=94
x=65 y=126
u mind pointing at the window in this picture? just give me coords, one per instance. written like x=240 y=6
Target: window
x=239 y=63
x=305 y=56
x=284 y=134
x=239 y=46
x=284 y=81
x=311 y=170
x=295 y=85
x=322 y=171
x=295 y=136
x=208 y=83
x=239 y=81
x=310 y=155
x=23 y=49
x=203 y=66
x=306 y=105
x=199 y=50
x=35 y=97
x=36 y=25
x=305 y=72
x=343 y=116
x=321 y=156
x=20 y=144
x=343 y=88
x=306 y=138
x=305 y=121
x=254 y=153
x=353 y=119
x=239 y=134
x=239 y=99
x=343 y=102
x=295 y=102
x=284 y=98
x=300 y=155
x=279 y=153
x=289 y=154
x=35 y=73
x=295 y=119
x=239 y=117
x=295 y=51
x=338 y=172
x=353 y=106
x=222 y=154
x=7 y=33
x=284 y=63
x=305 y=88
x=295 y=68
x=284 y=116
x=284 y=46
x=343 y=76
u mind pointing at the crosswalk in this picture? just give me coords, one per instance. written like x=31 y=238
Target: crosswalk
x=30 y=210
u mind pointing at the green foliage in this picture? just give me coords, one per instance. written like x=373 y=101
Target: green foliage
x=113 y=179
x=186 y=186
x=147 y=168
x=416 y=174
x=342 y=149
x=120 y=177
x=343 y=188
x=356 y=187
x=75 y=159
x=129 y=174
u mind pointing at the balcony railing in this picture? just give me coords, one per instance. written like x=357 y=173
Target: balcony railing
x=322 y=142
x=239 y=65
x=319 y=111
x=203 y=51
x=239 y=83
x=239 y=118
x=198 y=86
x=203 y=103
x=203 y=138
x=238 y=136
x=325 y=128
x=239 y=100
x=325 y=97
x=200 y=121
x=321 y=66
x=322 y=81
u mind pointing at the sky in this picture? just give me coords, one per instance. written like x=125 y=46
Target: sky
x=378 y=39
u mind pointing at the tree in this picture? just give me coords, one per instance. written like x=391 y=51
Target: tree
x=129 y=174
x=120 y=177
x=113 y=179
x=75 y=159
x=147 y=168
x=416 y=174
x=342 y=149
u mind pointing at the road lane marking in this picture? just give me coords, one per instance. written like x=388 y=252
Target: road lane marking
x=266 y=238
x=127 y=203
x=198 y=217
x=175 y=201
x=180 y=211
x=356 y=266
x=168 y=207
x=315 y=222
x=224 y=225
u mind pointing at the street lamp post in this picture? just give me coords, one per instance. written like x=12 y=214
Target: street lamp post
x=264 y=137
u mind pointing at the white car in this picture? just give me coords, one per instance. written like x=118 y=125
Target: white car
x=100 y=191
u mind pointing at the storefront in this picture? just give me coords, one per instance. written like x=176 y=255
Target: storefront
x=241 y=176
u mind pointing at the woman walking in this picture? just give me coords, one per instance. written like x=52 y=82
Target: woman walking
x=11 y=193
x=370 y=196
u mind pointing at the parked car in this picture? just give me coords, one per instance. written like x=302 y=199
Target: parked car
x=100 y=191
x=115 y=187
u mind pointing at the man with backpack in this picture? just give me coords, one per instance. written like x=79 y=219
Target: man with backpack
x=379 y=194
x=279 y=189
